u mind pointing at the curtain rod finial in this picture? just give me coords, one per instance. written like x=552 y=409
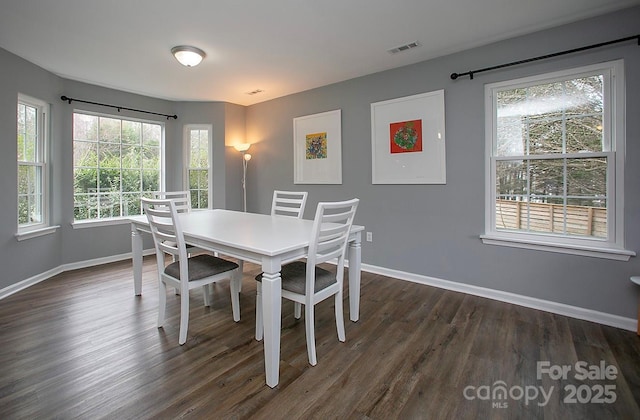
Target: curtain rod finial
x=454 y=76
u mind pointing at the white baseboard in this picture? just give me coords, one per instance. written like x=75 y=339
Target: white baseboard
x=526 y=301
x=14 y=288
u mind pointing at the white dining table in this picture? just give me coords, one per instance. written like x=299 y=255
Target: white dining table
x=270 y=241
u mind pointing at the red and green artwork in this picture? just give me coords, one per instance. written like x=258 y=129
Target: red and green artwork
x=406 y=136
x=316 y=146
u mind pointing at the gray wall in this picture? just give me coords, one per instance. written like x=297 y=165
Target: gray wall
x=433 y=230
x=430 y=230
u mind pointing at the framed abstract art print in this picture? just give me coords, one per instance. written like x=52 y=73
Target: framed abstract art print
x=317 y=148
x=408 y=141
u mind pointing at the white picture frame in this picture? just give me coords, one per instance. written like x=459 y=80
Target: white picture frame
x=398 y=127
x=317 y=148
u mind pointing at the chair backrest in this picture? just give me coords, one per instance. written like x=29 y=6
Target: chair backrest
x=182 y=199
x=330 y=233
x=165 y=228
x=288 y=203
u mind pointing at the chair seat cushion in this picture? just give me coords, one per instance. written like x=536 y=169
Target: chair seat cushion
x=201 y=266
x=294 y=277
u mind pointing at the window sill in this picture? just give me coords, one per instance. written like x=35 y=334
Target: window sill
x=21 y=236
x=82 y=224
x=541 y=245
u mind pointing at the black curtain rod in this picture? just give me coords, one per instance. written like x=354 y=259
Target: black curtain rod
x=119 y=108
x=454 y=76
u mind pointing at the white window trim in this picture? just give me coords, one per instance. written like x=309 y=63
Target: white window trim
x=611 y=248
x=42 y=228
x=187 y=157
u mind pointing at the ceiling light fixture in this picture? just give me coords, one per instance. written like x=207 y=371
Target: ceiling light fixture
x=187 y=55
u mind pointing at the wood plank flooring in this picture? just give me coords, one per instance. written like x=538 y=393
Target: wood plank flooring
x=81 y=345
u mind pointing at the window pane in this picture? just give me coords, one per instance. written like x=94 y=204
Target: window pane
x=29 y=194
x=587 y=177
x=27 y=133
x=85 y=154
x=109 y=130
x=193 y=179
x=511 y=213
x=584 y=134
x=131 y=204
x=109 y=205
x=550 y=118
x=85 y=206
x=109 y=155
x=131 y=156
x=85 y=180
x=26 y=174
x=151 y=157
x=23 y=210
x=584 y=95
x=85 y=127
x=547 y=178
x=150 y=180
x=109 y=180
x=21 y=131
x=511 y=178
x=544 y=135
x=203 y=201
x=131 y=132
x=131 y=180
x=151 y=134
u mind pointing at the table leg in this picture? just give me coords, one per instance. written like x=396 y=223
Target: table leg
x=136 y=250
x=271 y=307
x=355 y=258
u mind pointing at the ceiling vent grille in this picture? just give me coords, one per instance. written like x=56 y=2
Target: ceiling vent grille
x=404 y=47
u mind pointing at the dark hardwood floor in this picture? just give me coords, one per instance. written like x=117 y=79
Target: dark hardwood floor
x=81 y=345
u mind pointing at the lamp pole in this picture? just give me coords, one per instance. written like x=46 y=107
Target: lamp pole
x=246 y=157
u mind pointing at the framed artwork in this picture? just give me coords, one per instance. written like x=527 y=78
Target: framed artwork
x=408 y=141
x=317 y=148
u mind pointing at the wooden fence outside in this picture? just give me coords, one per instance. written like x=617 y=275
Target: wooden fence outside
x=545 y=217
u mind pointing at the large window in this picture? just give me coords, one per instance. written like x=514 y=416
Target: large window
x=115 y=161
x=32 y=169
x=198 y=164
x=555 y=146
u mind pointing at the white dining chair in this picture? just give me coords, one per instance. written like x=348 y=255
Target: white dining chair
x=185 y=273
x=182 y=200
x=306 y=283
x=288 y=203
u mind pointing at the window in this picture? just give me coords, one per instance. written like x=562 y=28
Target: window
x=555 y=146
x=198 y=164
x=32 y=164
x=115 y=161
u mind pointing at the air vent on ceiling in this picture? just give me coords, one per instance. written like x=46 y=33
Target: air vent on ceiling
x=254 y=92
x=404 y=47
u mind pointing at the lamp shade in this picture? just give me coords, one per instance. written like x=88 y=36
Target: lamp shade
x=187 y=55
x=242 y=147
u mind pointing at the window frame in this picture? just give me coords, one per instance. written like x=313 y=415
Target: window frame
x=187 y=160
x=613 y=120
x=30 y=230
x=84 y=223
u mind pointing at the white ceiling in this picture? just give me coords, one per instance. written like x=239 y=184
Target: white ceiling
x=278 y=46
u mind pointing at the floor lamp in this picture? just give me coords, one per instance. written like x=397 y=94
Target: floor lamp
x=246 y=157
